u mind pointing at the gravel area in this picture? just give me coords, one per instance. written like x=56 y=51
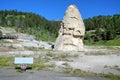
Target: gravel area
x=98 y=63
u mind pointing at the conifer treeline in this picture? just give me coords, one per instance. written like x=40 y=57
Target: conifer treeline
x=97 y=28
x=103 y=27
x=30 y=23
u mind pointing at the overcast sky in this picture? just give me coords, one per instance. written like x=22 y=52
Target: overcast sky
x=55 y=9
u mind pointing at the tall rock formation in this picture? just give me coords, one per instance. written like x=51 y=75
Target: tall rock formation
x=72 y=31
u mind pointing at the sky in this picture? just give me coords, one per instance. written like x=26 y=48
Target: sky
x=55 y=9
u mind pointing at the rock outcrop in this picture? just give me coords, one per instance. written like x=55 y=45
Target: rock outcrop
x=72 y=31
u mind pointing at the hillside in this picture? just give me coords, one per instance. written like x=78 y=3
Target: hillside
x=30 y=23
x=103 y=29
x=99 y=29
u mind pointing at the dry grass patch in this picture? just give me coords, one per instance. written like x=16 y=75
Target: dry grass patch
x=6 y=61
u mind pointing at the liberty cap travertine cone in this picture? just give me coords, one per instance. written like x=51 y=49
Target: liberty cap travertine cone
x=71 y=32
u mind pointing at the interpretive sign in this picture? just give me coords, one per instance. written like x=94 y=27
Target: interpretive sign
x=23 y=60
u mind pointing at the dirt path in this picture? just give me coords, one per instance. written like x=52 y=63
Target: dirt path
x=11 y=74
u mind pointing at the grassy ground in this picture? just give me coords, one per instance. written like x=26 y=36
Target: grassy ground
x=115 y=42
x=40 y=63
x=78 y=72
x=110 y=76
x=6 y=61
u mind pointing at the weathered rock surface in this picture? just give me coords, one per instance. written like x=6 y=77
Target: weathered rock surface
x=71 y=32
x=20 y=41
